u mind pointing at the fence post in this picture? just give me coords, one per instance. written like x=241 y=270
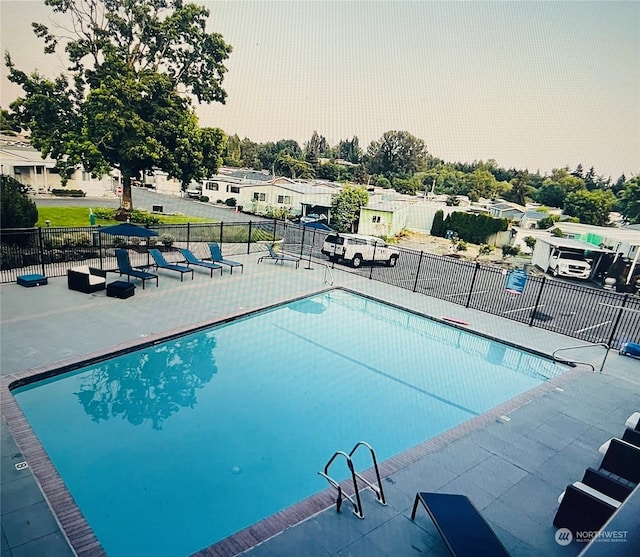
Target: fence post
x=615 y=325
x=313 y=243
x=221 y=232
x=249 y=240
x=304 y=229
x=275 y=225
x=100 y=249
x=415 y=284
x=373 y=262
x=41 y=250
x=188 y=234
x=473 y=281
x=535 y=307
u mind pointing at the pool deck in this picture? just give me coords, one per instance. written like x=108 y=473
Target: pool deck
x=512 y=469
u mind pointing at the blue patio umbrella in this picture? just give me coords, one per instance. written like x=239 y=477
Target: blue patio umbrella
x=128 y=229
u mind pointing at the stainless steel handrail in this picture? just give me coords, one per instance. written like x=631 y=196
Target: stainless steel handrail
x=575 y=362
x=357 y=504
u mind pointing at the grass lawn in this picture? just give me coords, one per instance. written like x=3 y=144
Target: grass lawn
x=79 y=216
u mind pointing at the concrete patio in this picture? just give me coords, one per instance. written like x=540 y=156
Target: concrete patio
x=512 y=462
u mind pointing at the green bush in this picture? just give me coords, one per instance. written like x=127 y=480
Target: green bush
x=167 y=240
x=143 y=217
x=510 y=250
x=68 y=193
x=104 y=213
x=474 y=228
x=230 y=201
x=437 y=229
x=485 y=249
x=119 y=242
x=204 y=198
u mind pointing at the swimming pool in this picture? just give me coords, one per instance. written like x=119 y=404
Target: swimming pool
x=170 y=448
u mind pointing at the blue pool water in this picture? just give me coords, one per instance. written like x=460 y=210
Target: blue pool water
x=168 y=449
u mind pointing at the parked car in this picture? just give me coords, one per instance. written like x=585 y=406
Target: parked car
x=357 y=248
x=569 y=264
x=194 y=193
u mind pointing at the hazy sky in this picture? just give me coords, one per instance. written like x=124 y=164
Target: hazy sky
x=534 y=85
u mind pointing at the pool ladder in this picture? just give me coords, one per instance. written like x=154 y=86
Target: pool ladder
x=376 y=488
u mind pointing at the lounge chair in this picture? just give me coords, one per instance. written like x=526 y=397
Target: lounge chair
x=583 y=508
x=633 y=421
x=216 y=257
x=161 y=263
x=463 y=529
x=125 y=268
x=279 y=257
x=623 y=460
x=604 y=483
x=631 y=436
x=191 y=259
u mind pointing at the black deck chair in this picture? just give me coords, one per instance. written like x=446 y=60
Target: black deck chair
x=463 y=529
x=623 y=460
x=161 y=263
x=604 y=483
x=125 y=268
x=583 y=508
x=633 y=421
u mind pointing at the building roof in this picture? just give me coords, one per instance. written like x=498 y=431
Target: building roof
x=570 y=243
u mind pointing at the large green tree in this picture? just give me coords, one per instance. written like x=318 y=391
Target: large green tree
x=629 y=202
x=17 y=209
x=590 y=207
x=346 y=207
x=396 y=153
x=125 y=101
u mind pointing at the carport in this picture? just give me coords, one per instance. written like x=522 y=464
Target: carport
x=578 y=246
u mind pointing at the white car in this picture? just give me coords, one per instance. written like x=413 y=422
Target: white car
x=357 y=248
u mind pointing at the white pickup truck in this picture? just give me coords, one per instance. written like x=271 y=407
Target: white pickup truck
x=357 y=248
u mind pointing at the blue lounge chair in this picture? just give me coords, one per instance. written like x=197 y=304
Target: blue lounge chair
x=279 y=257
x=463 y=530
x=161 y=263
x=216 y=257
x=125 y=268
x=191 y=259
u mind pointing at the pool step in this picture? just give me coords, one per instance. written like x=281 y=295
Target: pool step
x=376 y=488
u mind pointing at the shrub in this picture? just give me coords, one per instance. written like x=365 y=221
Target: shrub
x=530 y=242
x=142 y=217
x=104 y=213
x=485 y=249
x=230 y=201
x=437 y=229
x=167 y=240
x=67 y=193
x=557 y=232
x=461 y=246
x=204 y=198
x=474 y=228
x=119 y=242
x=219 y=201
x=510 y=250
x=83 y=240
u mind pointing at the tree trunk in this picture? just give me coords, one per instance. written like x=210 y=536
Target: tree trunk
x=126 y=201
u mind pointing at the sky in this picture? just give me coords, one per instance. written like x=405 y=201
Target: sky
x=535 y=85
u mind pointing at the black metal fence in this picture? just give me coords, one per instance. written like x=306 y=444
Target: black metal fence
x=583 y=312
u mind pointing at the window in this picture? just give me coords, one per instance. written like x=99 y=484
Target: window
x=257 y=196
x=233 y=189
x=212 y=186
x=286 y=199
x=375 y=218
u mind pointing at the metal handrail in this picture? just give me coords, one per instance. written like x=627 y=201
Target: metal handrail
x=575 y=362
x=377 y=490
x=357 y=504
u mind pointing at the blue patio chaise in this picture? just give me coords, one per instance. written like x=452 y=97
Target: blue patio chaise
x=191 y=259
x=125 y=268
x=216 y=257
x=279 y=257
x=161 y=263
x=464 y=531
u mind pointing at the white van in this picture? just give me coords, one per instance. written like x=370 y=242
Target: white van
x=357 y=248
